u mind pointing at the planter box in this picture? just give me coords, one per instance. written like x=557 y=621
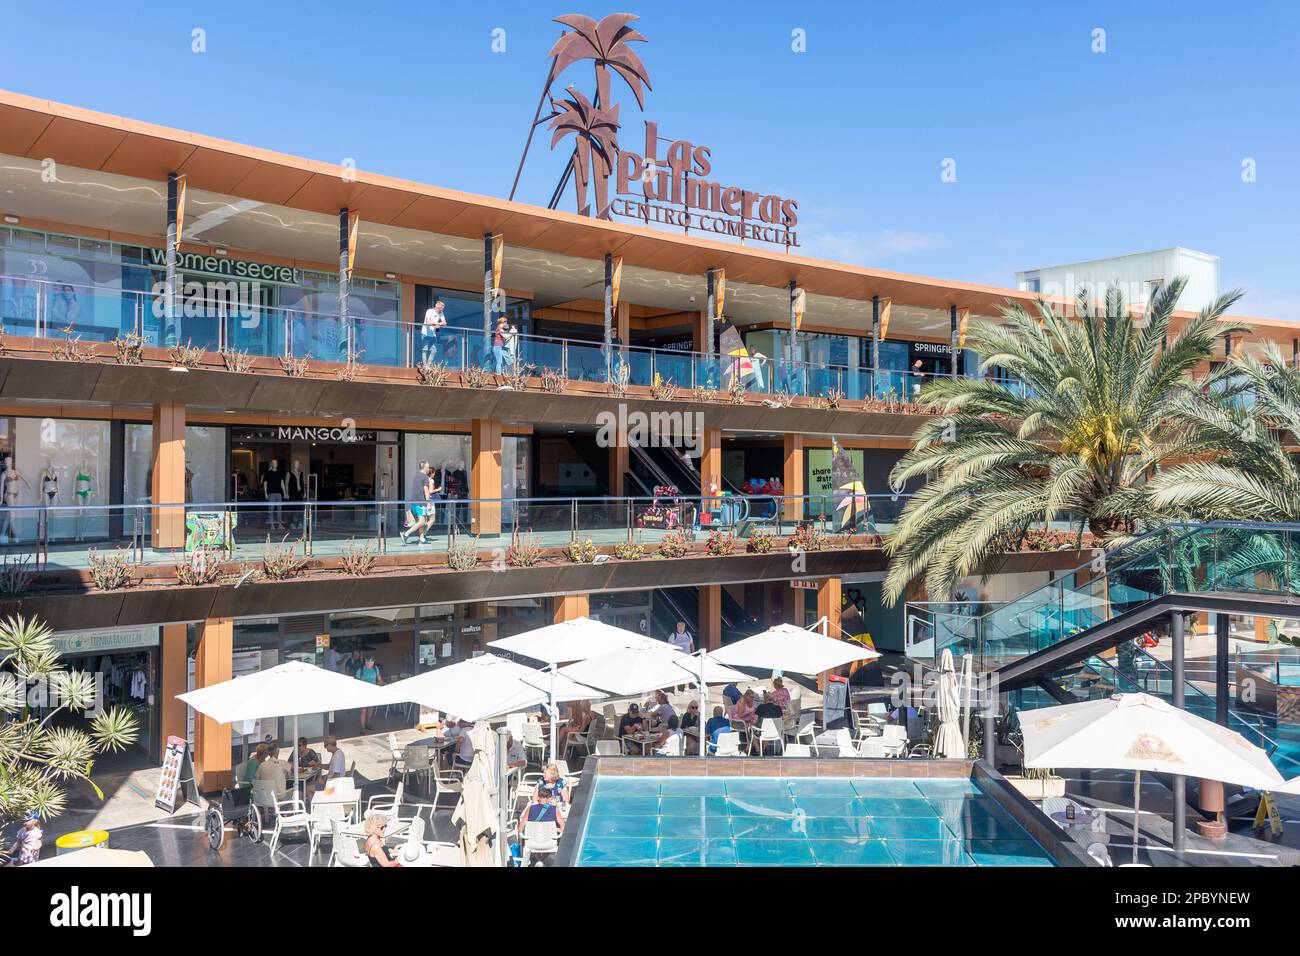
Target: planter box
x=1038 y=790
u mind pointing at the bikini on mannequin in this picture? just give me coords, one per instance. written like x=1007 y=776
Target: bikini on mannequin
x=11 y=483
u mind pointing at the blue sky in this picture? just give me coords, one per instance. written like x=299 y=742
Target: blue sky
x=1061 y=153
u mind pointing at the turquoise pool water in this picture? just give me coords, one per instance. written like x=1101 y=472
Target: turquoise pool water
x=753 y=821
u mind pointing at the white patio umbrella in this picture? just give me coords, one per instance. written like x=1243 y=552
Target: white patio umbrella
x=794 y=649
x=633 y=670
x=948 y=742
x=1292 y=786
x=574 y=640
x=1139 y=732
x=483 y=687
x=285 y=690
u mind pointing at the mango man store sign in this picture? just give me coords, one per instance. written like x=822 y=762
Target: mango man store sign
x=225 y=266
x=76 y=643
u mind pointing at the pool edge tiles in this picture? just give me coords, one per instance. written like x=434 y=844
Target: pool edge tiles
x=804 y=820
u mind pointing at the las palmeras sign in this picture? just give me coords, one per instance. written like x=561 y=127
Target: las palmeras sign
x=674 y=186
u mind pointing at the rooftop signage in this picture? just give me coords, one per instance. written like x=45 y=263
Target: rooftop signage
x=675 y=187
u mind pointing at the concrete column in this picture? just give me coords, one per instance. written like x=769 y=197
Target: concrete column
x=485 y=475
x=710 y=459
x=173 y=657
x=213 y=663
x=953 y=337
x=167 y=482
x=829 y=601
x=618 y=465
x=709 y=626
x=1179 y=688
x=792 y=475
x=568 y=607
x=171 y=333
x=1221 y=669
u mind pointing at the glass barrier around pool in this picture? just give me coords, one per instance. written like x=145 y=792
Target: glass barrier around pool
x=93 y=314
x=77 y=536
x=1189 y=558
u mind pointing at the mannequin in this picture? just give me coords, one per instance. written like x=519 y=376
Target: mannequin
x=295 y=491
x=49 y=485
x=84 y=489
x=11 y=482
x=273 y=491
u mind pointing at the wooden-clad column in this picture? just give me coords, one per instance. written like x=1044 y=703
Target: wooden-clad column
x=213 y=663
x=485 y=475
x=710 y=460
x=710 y=623
x=793 y=475
x=167 y=481
x=828 y=606
x=173 y=656
x=571 y=606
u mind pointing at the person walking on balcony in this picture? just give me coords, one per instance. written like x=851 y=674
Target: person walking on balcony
x=434 y=320
x=499 y=346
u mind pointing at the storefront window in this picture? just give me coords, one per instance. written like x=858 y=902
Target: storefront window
x=57 y=462
x=205 y=464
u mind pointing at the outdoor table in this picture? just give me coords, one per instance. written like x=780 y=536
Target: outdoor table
x=1084 y=818
x=339 y=796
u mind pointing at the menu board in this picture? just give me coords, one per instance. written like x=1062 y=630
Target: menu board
x=170 y=779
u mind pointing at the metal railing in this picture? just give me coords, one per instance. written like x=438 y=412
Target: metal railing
x=57 y=310
x=73 y=536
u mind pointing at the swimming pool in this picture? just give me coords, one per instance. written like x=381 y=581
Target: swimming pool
x=799 y=821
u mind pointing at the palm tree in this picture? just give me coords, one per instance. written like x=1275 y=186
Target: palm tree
x=1247 y=409
x=606 y=43
x=596 y=133
x=1086 y=424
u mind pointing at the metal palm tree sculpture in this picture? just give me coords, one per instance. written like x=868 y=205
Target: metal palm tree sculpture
x=1094 y=413
x=596 y=133
x=606 y=43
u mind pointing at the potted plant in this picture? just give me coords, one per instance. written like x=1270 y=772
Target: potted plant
x=1038 y=783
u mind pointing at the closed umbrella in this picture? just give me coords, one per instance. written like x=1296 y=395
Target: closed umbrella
x=285 y=690
x=573 y=640
x=948 y=742
x=1139 y=732
x=477 y=820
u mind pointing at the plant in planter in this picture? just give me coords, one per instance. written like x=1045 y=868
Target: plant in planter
x=351 y=367
x=111 y=572
x=581 y=552
x=831 y=399
x=673 y=545
x=720 y=543
x=516 y=379
x=201 y=566
x=462 y=555
x=761 y=542
x=185 y=356
x=280 y=562
x=476 y=376
x=15 y=578
x=629 y=551
x=1038 y=783
x=524 y=552
x=552 y=381
x=432 y=373
x=295 y=367
x=737 y=390
x=357 y=560
x=237 y=361
x=705 y=393
x=806 y=538
x=663 y=389
x=130 y=349
x=619 y=382
x=72 y=349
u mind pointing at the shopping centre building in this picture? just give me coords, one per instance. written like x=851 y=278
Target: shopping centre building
x=214 y=355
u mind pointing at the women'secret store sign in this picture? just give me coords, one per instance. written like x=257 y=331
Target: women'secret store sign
x=676 y=191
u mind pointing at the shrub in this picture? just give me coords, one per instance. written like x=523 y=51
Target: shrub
x=462 y=555
x=111 y=572
x=358 y=560
x=350 y=369
x=524 y=552
x=476 y=376
x=720 y=543
x=552 y=381
x=807 y=538
x=130 y=349
x=295 y=367
x=831 y=400
x=705 y=393
x=673 y=545
x=761 y=542
x=629 y=551
x=432 y=373
x=15 y=577
x=237 y=361
x=663 y=389
x=185 y=356
x=280 y=562
x=581 y=552
x=72 y=349
x=201 y=566
x=737 y=390
x=619 y=382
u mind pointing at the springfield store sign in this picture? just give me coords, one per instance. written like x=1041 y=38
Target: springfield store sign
x=676 y=190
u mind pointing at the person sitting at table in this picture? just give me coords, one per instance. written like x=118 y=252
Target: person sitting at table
x=338 y=763
x=731 y=693
x=555 y=783
x=629 y=725
x=580 y=716
x=691 y=721
x=308 y=768
x=658 y=710
x=516 y=758
x=275 y=770
x=464 y=747
x=254 y=762
x=717 y=724
x=745 y=711
x=543 y=808
x=780 y=696
x=769 y=709
x=670 y=741
x=378 y=854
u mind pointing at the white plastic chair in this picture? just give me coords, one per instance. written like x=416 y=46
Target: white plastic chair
x=1099 y=853
x=608 y=748
x=413 y=832
x=323 y=816
x=540 y=838
x=844 y=743
x=290 y=814
x=534 y=742
x=386 y=803
x=449 y=782
x=416 y=760
x=515 y=724
x=346 y=849
x=672 y=746
x=894 y=738
x=806 y=731
x=796 y=750
x=876 y=748
x=728 y=744
x=611 y=718
x=769 y=732
x=396 y=754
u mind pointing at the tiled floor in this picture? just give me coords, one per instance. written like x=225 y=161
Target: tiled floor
x=719 y=821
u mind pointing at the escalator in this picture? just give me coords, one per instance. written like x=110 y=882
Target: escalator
x=1075 y=638
x=667 y=466
x=683 y=604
